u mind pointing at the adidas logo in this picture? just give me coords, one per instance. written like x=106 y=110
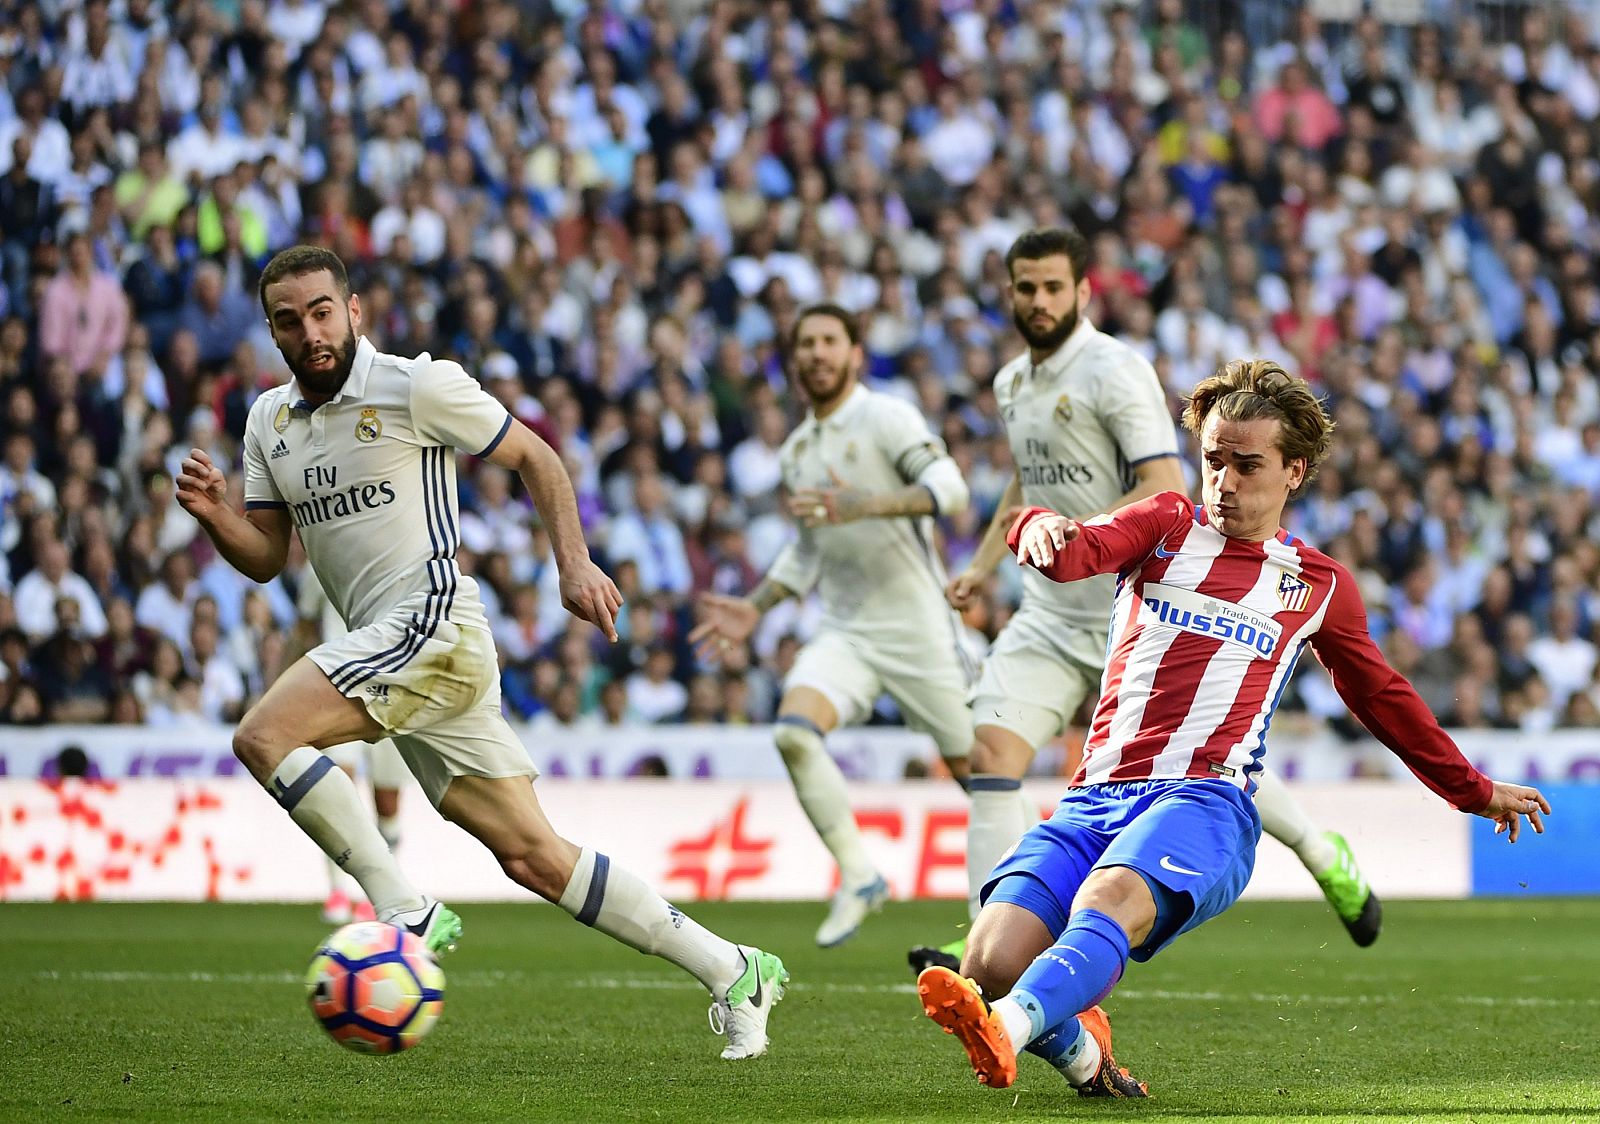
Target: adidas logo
x=280 y=449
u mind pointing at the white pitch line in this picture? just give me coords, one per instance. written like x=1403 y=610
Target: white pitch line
x=495 y=978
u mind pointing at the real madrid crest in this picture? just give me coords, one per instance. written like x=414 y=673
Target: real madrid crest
x=280 y=420
x=1016 y=384
x=850 y=452
x=1064 y=410
x=369 y=428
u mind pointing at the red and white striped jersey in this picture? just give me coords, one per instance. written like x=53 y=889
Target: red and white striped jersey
x=1205 y=632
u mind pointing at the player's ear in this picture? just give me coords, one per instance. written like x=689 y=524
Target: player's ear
x=1297 y=473
x=354 y=308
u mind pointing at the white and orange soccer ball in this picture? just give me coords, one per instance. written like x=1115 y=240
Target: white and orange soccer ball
x=375 y=988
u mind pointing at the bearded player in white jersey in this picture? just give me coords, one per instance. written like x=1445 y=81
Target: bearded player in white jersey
x=357 y=454
x=867 y=547
x=1090 y=431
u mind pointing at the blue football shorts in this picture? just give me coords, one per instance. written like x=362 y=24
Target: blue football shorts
x=1192 y=840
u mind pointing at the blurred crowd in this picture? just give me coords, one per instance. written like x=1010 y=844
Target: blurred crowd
x=610 y=212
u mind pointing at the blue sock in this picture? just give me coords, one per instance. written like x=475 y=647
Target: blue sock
x=1073 y=974
x=1061 y=1045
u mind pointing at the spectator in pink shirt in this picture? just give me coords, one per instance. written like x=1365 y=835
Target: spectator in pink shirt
x=84 y=314
x=1296 y=107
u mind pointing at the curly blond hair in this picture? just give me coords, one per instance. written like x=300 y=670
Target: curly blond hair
x=1247 y=389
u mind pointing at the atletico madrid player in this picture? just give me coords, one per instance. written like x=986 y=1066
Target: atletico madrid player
x=1214 y=605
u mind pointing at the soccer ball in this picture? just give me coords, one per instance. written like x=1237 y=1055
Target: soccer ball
x=375 y=988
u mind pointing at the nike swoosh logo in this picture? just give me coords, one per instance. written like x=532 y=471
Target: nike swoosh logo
x=755 y=995
x=1163 y=552
x=1168 y=864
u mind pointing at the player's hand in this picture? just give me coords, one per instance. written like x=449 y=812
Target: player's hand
x=1510 y=803
x=1043 y=538
x=202 y=489
x=724 y=622
x=587 y=593
x=962 y=590
x=813 y=507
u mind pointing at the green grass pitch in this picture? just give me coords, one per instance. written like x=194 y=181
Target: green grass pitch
x=1483 y=1010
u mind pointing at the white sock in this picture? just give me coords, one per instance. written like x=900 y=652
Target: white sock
x=821 y=788
x=324 y=802
x=998 y=816
x=389 y=828
x=613 y=900
x=1083 y=1060
x=338 y=880
x=1284 y=820
x=1019 y=1026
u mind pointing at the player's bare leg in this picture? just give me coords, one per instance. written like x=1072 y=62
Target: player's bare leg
x=805 y=717
x=279 y=740
x=1325 y=854
x=504 y=814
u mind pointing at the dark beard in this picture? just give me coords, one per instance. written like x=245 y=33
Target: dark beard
x=840 y=386
x=1049 y=340
x=327 y=384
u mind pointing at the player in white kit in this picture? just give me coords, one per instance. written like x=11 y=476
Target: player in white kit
x=378 y=762
x=357 y=453
x=1090 y=431
x=865 y=477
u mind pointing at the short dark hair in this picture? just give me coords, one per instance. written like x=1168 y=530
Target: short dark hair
x=1048 y=241
x=297 y=261
x=844 y=317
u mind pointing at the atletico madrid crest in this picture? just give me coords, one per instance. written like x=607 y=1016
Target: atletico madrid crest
x=1293 y=593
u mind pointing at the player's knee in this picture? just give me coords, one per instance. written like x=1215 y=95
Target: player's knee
x=1122 y=894
x=995 y=966
x=256 y=749
x=990 y=757
x=796 y=739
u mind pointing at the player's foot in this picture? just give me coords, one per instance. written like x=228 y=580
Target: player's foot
x=336 y=910
x=955 y=1003
x=1348 y=893
x=948 y=956
x=742 y=1014
x=437 y=925
x=363 y=911
x=1110 y=1079
x=849 y=908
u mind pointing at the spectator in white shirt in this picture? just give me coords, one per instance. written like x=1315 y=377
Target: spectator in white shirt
x=97 y=73
x=393 y=156
x=653 y=694
x=650 y=538
x=959 y=145
x=411 y=216
x=166 y=606
x=295 y=23
x=52 y=145
x=753 y=465
x=1564 y=660
x=52 y=580
x=205 y=150
x=222 y=690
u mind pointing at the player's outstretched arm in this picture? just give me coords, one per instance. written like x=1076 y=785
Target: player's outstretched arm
x=726 y=621
x=818 y=507
x=963 y=588
x=256 y=543
x=586 y=591
x=1509 y=804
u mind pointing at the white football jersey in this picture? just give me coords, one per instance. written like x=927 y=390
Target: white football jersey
x=369 y=479
x=1078 y=423
x=880 y=579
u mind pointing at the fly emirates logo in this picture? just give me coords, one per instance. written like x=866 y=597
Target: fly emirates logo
x=1206 y=616
x=327 y=501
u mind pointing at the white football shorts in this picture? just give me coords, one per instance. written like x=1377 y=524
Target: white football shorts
x=437 y=697
x=930 y=691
